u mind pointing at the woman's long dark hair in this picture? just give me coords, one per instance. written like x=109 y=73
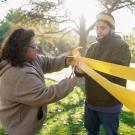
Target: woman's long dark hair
x=14 y=47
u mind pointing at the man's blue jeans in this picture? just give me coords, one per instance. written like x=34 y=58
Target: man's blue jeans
x=93 y=120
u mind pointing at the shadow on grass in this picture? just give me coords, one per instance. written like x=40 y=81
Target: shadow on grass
x=75 y=127
x=72 y=125
x=128 y=118
x=2 y=132
x=65 y=107
x=73 y=109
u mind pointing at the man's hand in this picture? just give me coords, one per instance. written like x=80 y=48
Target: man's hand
x=78 y=69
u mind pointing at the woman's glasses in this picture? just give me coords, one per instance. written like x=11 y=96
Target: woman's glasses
x=33 y=47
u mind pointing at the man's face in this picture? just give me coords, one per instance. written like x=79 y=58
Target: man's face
x=102 y=29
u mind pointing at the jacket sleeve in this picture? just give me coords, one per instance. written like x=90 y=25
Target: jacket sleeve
x=120 y=56
x=31 y=90
x=51 y=64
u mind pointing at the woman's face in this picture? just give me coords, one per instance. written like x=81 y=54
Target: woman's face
x=31 y=51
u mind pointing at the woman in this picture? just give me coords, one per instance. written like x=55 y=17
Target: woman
x=23 y=94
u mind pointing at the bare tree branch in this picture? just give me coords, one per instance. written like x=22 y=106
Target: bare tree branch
x=65 y=34
x=90 y=28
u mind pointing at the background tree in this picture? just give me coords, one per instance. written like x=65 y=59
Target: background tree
x=52 y=22
x=113 y=5
x=130 y=39
x=107 y=6
x=47 y=34
x=3 y=0
x=49 y=20
x=9 y=22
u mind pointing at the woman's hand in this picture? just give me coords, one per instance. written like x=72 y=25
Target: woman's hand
x=69 y=60
x=73 y=79
x=69 y=56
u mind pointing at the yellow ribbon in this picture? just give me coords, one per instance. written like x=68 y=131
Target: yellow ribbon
x=109 y=68
x=124 y=95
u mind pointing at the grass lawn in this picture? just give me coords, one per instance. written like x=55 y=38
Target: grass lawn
x=66 y=117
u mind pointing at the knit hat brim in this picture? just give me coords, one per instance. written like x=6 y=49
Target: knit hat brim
x=103 y=17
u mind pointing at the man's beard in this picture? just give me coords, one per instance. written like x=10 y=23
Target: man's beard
x=100 y=39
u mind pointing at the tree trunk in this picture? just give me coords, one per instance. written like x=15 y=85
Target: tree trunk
x=83 y=35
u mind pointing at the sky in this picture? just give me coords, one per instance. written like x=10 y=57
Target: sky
x=10 y=4
x=125 y=21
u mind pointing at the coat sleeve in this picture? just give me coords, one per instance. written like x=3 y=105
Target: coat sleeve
x=31 y=90
x=51 y=64
x=120 y=56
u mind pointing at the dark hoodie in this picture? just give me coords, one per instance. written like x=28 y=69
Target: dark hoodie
x=110 y=49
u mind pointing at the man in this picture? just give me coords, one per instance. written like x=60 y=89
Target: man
x=100 y=106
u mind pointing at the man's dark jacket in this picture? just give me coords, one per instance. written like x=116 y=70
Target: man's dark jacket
x=110 y=49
